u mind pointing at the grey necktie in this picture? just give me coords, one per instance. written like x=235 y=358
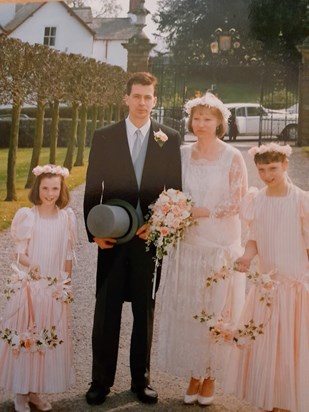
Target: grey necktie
x=137 y=145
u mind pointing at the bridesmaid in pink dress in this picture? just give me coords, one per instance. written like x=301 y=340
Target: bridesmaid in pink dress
x=35 y=341
x=272 y=368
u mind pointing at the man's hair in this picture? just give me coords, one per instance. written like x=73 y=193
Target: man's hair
x=143 y=78
x=34 y=194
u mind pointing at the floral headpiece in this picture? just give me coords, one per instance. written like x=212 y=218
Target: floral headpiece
x=270 y=147
x=55 y=170
x=209 y=100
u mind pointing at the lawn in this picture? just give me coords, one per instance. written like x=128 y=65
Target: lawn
x=8 y=209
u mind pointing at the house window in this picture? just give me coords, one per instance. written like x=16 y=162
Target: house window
x=50 y=36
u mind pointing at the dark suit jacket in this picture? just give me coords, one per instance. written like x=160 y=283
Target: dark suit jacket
x=110 y=161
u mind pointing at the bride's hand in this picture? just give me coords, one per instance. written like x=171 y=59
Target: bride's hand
x=198 y=212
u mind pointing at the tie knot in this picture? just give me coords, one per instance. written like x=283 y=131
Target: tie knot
x=138 y=134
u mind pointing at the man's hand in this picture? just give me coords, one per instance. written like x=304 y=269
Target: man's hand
x=105 y=242
x=143 y=231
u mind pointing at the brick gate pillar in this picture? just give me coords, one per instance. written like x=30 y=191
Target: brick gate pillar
x=303 y=109
x=138 y=48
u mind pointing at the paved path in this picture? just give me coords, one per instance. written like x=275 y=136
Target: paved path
x=170 y=388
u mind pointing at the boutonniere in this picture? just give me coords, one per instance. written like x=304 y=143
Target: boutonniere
x=160 y=137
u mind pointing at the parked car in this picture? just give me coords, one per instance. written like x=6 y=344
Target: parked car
x=251 y=117
x=8 y=117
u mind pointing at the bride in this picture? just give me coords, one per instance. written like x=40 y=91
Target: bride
x=197 y=282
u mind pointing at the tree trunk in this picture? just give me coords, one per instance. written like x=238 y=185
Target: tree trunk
x=117 y=113
x=102 y=115
x=37 y=142
x=110 y=113
x=54 y=132
x=94 y=120
x=81 y=137
x=68 y=161
x=11 y=165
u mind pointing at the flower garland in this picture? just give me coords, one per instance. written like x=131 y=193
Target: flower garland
x=61 y=290
x=270 y=147
x=217 y=275
x=220 y=331
x=53 y=169
x=31 y=341
x=209 y=100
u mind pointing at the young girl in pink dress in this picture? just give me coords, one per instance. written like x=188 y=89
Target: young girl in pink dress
x=272 y=371
x=35 y=342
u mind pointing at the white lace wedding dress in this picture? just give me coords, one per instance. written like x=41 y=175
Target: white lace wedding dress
x=185 y=348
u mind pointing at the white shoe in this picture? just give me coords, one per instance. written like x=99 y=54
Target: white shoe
x=21 y=403
x=206 y=389
x=190 y=399
x=205 y=400
x=39 y=403
x=194 y=385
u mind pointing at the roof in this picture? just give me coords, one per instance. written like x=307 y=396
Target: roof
x=27 y=10
x=84 y=13
x=114 y=28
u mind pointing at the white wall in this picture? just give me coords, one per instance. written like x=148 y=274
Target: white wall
x=111 y=52
x=71 y=36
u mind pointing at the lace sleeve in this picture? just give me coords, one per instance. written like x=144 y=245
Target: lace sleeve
x=72 y=233
x=238 y=183
x=305 y=216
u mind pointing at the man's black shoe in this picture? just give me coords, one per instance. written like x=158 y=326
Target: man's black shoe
x=96 y=394
x=146 y=394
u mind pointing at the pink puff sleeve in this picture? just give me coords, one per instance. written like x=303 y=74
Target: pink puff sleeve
x=72 y=238
x=247 y=213
x=21 y=229
x=304 y=214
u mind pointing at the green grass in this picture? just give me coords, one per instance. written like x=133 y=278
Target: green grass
x=237 y=90
x=8 y=209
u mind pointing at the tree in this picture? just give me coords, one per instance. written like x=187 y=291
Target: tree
x=15 y=72
x=282 y=31
x=188 y=25
x=42 y=84
x=88 y=85
x=103 y=8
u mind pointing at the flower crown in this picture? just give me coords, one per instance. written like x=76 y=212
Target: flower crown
x=55 y=170
x=270 y=147
x=209 y=100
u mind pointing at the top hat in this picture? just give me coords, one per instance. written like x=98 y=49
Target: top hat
x=114 y=218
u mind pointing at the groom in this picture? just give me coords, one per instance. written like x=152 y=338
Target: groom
x=125 y=271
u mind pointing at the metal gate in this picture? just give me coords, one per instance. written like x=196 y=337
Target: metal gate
x=276 y=97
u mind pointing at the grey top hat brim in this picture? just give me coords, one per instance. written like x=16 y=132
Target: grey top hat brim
x=98 y=221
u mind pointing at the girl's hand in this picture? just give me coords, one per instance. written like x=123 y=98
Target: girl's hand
x=242 y=264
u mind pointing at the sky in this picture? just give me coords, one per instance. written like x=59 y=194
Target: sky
x=150 y=5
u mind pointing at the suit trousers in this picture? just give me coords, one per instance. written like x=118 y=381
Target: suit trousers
x=124 y=273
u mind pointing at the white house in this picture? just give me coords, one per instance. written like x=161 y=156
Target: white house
x=51 y=23
x=74 y=30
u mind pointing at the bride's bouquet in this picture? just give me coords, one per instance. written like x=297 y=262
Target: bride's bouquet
x=170 y=215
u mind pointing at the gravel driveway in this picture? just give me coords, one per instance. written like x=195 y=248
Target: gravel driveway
x=170 y=388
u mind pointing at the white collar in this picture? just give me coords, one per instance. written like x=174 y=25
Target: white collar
x=131 y=128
